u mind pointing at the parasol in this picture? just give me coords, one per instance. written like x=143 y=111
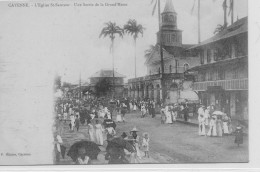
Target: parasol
x=91 y=149
x=219 y=113
x=109 y=123
x=119 y=142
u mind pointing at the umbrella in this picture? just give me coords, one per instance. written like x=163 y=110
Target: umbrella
x=91 y=149
x=109 y=123
x=218 y=113
x=120 y=143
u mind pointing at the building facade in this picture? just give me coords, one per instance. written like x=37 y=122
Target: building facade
x=104 y=83
x=176 y=62
x=222 y=76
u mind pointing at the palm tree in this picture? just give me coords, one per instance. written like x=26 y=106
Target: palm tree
x=111 y=30
x=131 y=27
x=150 y=50
x=219 y=28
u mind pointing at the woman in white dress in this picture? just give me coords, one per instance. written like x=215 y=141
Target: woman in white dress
x=118 y=117
x=212 y=127
x=168 y=115
x=201 y=120
x=91 y=132
x=72 y=122
x=226 y=121
x=99 y=133
x=206 y=115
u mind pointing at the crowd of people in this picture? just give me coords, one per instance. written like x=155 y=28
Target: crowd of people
x=97 y=115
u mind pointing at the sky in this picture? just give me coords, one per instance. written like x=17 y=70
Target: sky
x=65 y=40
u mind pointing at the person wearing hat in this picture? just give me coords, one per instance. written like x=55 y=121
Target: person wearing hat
x=135 y=141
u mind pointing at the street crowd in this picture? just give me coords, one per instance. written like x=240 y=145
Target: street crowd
x=97 y=115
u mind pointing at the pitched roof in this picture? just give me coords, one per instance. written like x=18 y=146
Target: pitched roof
x=240 y=26
x=107 y=73
x=169 y=7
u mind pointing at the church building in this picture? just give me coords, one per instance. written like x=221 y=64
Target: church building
x=177 y=60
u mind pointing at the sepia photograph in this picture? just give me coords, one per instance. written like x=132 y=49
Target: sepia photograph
x=130 y=82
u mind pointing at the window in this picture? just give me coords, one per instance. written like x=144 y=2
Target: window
x=150 y=72
x=235 y=72
x=221 y=74
x=202 y=57
x=216 y=54
x=186 y=66
x=208 y=55
x=159 y=70
x=170 y=68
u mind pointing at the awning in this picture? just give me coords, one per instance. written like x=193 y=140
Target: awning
x=189 y=96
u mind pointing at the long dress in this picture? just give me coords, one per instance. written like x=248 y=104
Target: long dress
x=206 y=115
x=219 y=127
x=72 y=122
x=225 y=125
x=92 y=133
x=201 y=120
x=212 y=128
x=239 y=135
x=168 y=116
x=118 y=117
x=99 y=134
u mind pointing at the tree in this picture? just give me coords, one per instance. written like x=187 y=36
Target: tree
x=134 y=29
x=219 y=28
x=151 y=49
x=111 y=30
x=102 y=87
x=57 y=82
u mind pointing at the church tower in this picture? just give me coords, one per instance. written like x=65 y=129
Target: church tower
x=171 y=35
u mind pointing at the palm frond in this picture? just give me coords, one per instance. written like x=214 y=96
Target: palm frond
x=154 y=7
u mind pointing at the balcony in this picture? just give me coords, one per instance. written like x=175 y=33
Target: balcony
x=156 y=77
x=234 y=84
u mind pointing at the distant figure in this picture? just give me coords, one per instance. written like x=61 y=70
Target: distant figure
x=145 y=144
x=239 y=135
x=77 y=123
x=72 y=122
x=91 y=132
x=99 y=134
x=212 y=127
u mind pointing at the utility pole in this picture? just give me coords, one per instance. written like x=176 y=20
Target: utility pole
x=225 y=13
x=232 y=12
x=80 y=84
x=198 y=21
x=161 y=52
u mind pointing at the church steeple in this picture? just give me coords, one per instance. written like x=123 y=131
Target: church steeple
x=171 y=35
x=169 y=16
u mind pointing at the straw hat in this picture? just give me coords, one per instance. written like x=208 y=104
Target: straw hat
x=134 y=130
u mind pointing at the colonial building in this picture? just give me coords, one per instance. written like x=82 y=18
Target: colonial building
x=222 y=78
x=103 y=83
x=176 y=61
